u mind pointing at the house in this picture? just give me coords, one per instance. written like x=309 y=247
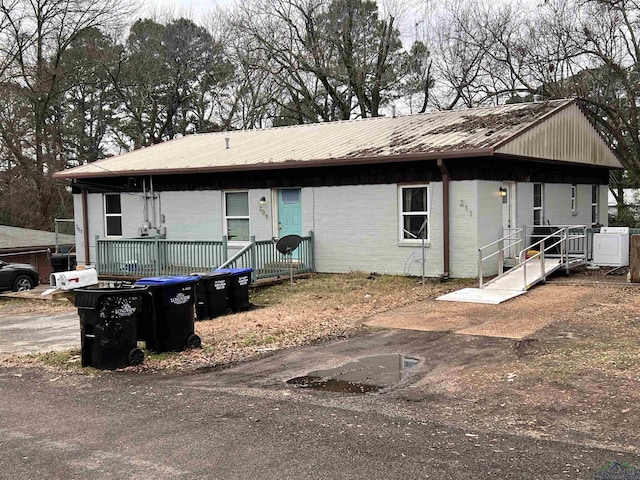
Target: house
x=24 y=245
x=631 y=199
x=363 y=187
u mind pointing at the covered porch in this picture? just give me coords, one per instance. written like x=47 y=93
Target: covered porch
x=143 y=257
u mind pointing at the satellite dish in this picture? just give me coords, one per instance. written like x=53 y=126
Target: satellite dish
x=286 y=245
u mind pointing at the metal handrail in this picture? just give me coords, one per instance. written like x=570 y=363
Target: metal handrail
x=565 y=258
x=500 y=252
x=573 y=238
x=522 y=257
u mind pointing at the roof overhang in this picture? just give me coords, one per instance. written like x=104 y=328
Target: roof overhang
x=557 y=131
x=548 y=161
x=331 y=162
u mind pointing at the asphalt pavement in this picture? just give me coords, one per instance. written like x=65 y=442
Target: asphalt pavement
x=246 y=422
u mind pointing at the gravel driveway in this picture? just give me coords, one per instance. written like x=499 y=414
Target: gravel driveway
x=38 y=326
x=28 y=333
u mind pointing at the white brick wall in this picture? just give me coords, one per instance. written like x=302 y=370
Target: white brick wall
x=193 y=215
x=261 y=216
x=524 y=204
x=79 y=229
x=603 y=211
x=463 y=227
x=357 y=227
x=557 y=204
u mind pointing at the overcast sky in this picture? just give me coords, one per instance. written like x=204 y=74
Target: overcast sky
x=195 y=7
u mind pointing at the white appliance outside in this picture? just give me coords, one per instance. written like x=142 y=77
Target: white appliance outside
x=611 y=247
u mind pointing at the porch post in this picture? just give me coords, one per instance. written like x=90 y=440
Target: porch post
x=225 y=250
x=85 y=228
x=254 y=261
x=156 y=251
x=445 y=217
x=543 y=270
x=98 y=259
x=312 y=253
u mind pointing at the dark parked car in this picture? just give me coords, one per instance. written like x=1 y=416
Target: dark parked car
x=17 y=276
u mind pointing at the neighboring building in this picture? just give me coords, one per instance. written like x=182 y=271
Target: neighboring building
x=364 y=187
x=23 y=245
x=631 y=199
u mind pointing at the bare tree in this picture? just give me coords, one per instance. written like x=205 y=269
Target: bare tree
x=33 y=39
x=331 y=60
x=495 y=52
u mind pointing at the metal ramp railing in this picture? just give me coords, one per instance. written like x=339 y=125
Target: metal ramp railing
x=550 y=248
x=503 y=245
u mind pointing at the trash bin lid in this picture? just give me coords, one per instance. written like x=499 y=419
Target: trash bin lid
x=208 y=275
x=235 y=271
x=168 y=280
x=89 y=298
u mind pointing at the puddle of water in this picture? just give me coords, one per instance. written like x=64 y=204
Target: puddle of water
x=368 y=374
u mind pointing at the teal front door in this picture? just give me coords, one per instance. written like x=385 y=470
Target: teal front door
x=289 y=213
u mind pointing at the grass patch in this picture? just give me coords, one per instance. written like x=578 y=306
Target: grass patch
x=314 y=309
x=23 y=306
x=150 y=355
x=346 y=289
x=58 y=358
x=69 y=360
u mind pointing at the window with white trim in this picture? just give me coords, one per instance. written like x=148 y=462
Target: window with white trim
x=112 y=215
x=538 y=202
x=237 y=216
x=574 y=198
x=414 y=211
x=595 y=197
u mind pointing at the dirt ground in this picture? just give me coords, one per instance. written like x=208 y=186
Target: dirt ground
x=573 y=369
x=576 y=377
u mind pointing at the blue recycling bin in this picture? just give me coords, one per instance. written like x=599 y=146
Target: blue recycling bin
x=238 y=296
x=168 y=320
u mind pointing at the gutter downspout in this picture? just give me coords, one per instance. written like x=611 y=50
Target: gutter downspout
x=85 y=227
x=445 y=217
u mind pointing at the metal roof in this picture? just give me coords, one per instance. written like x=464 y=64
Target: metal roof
x=21 y=238
x=443 y=134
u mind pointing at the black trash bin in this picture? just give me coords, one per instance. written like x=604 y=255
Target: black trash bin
x=108 y=326
x=238 y=296
x=167 y=323
x=211 y=295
